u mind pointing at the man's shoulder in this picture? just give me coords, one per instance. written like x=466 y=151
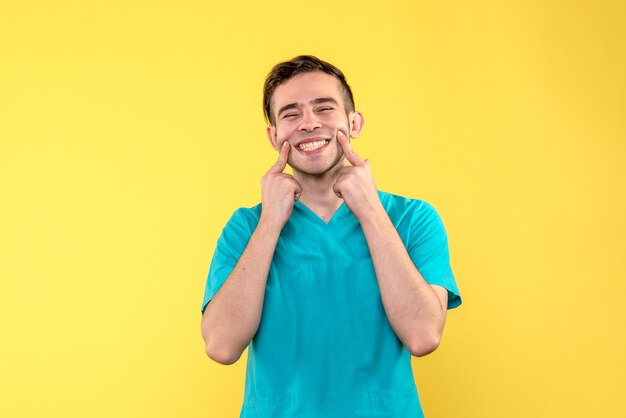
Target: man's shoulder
x=245 y=216
x=252 y=211
x=401 y=205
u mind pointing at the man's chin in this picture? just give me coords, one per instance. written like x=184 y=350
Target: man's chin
x=314 y=173
x=318 y=171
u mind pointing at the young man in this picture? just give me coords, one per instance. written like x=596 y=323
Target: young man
x=331 y=284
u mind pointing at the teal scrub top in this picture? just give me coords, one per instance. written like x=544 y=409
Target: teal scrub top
x=324 y=347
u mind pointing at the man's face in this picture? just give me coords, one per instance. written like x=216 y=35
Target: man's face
x=309 y=110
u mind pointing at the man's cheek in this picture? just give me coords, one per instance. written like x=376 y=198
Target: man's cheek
x=281 y=136
x=343 y=128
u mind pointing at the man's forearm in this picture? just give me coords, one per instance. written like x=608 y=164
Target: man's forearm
x=232 y=317
x=415 y=311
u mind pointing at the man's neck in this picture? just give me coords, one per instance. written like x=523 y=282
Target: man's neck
x=317 y=192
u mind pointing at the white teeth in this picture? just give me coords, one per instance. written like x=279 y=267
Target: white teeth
x=310 y=146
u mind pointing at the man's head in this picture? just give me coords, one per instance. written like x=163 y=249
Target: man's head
x=299 y=65
x=306 y=102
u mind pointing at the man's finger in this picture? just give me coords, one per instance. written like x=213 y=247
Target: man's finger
x=337 y=192
x=283 y=156
x=298 y=192
x=348 y=151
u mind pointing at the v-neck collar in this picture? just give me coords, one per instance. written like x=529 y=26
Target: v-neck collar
x=315 y=217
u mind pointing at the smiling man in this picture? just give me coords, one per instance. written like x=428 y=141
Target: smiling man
x=330 y=283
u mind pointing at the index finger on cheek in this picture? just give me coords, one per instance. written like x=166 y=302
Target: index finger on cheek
x=343 y=141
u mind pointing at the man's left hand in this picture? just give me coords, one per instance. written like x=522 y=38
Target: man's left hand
x=355 y=184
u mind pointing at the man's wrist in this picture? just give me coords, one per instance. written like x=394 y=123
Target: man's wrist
x=375 y=218
x=270 y=225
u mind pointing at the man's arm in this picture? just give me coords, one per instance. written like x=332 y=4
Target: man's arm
x=232 y=317
x=415 y=309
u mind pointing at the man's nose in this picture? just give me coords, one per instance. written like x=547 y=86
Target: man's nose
x=309 y=121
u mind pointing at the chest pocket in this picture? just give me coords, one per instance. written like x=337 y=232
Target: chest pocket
x=369 y=305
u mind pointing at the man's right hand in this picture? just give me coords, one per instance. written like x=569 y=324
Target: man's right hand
x=279 y=191
x=232 y=318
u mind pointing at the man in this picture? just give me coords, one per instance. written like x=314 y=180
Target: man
x=331 y=284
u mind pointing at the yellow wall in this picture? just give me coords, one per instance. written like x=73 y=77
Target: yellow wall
x=130 y=132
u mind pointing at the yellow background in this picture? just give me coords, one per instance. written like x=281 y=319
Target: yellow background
x=130 y=131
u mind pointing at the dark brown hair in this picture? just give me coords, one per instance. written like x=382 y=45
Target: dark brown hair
x=299 y=65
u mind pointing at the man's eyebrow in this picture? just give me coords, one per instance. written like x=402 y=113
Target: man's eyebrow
x=313 y=102
x=287 y=107
x=324 y=100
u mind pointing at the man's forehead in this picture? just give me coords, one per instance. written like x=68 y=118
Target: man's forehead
x=305 y=88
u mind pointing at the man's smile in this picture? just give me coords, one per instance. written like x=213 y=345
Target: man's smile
x=312 y=145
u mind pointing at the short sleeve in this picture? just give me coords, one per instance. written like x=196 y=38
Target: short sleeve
x=428 y=248
x=230 y=245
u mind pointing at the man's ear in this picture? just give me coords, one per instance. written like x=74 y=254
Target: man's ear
x=356 y=121
x=271 y=135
